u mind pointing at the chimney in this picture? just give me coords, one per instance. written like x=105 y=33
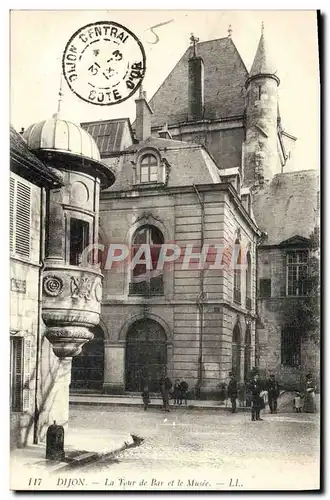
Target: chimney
x=164 y=133
x=143 y=117
x=195 y=84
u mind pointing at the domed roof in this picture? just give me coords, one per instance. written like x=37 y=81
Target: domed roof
x=56 y=138
x=61 y=135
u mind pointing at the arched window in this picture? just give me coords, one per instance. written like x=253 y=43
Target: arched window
x=146 y=279
x=148 y=168
x=237 y=272
x=248 y=274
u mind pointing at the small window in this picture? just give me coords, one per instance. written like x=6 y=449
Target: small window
x=79 y=240
x=290 y=347
x=265 y=288
x=148 y=169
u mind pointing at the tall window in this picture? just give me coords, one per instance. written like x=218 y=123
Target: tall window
x=236 y=352
x=20 y=354
x=79 y=240
x=146 y=278
x=237 y=272
x=248 y=275
x=297 y=272
x=20 y=217
x=148 y=168
x=290 y=347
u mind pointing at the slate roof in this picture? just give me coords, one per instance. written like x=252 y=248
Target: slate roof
x=25 y=163
x=189 y=164
x=225 y=75
x=107 y=134
x=262 y=64
x=287 y=207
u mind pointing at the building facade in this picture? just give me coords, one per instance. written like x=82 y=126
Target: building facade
x=230 y=117
x=56 y=176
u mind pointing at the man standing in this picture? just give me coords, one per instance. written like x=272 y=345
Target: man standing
x=273 y=390
x=255 y=389
x=165 y=388
x=232 y=391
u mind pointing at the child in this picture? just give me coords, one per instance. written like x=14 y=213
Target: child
x=145 y=396
x=297 y=403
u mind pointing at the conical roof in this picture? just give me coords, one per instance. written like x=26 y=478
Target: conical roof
x=263 y=64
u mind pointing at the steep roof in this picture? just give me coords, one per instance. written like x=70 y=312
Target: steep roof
x=188 y=164
x=224 y=79
x=25 y=163
x=262 y=64
x=109 y=135
x=287 y=207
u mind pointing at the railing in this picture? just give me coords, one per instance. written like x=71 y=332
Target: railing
x=147 y=288
x=237 y=295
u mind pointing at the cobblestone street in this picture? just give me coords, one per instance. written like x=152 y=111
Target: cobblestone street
x=211 y=449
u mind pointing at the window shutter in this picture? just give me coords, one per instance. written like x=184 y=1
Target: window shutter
x=27 y=374
x=11 y=213
x=17 y=373
x=23 y=219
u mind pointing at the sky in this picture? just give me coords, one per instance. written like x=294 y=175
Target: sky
x=38 y=39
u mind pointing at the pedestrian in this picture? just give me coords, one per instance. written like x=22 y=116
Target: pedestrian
x=165 y=389
x=176 y=392
x=183 y=392
x=232 y=391
x=309 y=397
x=145 y=396
x=256 y=399
x=273 y=390
x=297 y=402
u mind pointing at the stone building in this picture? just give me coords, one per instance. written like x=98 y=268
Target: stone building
x=207 y=159
x=55 y=299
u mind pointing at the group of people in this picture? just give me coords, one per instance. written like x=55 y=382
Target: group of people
x=179 y=393
x=303 y=400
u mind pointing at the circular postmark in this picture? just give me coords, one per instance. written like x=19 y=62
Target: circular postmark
x=104 y=63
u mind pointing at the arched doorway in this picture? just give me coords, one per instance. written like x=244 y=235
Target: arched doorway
x=247 y=352
x=236 y=352
x=88 y=367
x=146 y=355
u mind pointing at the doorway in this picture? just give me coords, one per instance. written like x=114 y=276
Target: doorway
x=145 y=356
x=88 y=367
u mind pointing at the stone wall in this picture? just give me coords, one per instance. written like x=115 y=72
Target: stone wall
x=179 y=217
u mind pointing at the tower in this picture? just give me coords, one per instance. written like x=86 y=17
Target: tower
x=260 y=155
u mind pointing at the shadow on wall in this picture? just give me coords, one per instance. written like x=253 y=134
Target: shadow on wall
x=52 y=378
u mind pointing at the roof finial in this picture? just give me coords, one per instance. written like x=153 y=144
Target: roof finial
x=194 y=41
x=60 y=95
x=229 y=31
x=262 y=27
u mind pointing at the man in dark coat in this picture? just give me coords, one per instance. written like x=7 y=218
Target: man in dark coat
x=255 y=389
x=232 y=391
x=273 y=390
x=165 y=388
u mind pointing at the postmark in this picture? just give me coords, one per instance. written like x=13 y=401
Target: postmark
x=104 y=63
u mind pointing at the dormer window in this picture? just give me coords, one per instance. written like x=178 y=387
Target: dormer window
x=148 y=168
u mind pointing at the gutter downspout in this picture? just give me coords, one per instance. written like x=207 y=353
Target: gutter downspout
x=200 y=299
x=260 y=241
x=41 y=268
